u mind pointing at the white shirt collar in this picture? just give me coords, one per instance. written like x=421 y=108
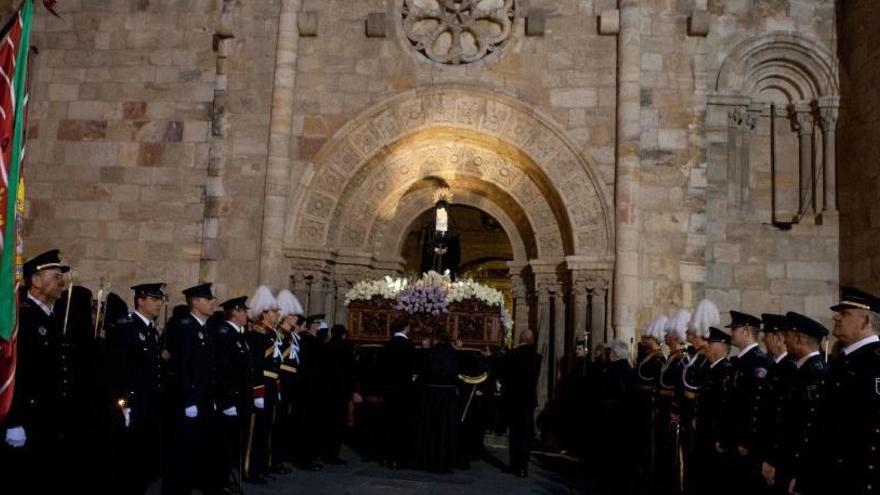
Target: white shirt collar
x=716 y=362
x=143 y=318
x=202 y=323
x=858 y=345
x=235 y=326
x=46 y=309
x=804 y=359
x=747 y=349
x=401 y=334
x=780 y=357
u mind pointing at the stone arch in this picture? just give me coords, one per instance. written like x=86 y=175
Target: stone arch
x=565 y=180
x=791 y=60
x=418 y=201
x=382 y=183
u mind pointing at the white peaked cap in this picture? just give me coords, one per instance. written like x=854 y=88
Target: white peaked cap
x=262 y=301
x=677 y=325
x=289 y=304
x=655 y=328
x=706 y=315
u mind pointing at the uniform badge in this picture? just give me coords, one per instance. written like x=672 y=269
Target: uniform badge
x=201 y=336
x=760 y=373
x=42 y=331
x=142 y=337
x=812 y=392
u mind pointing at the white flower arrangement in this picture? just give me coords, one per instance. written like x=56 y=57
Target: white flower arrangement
x=387 y=288
x=468 y=289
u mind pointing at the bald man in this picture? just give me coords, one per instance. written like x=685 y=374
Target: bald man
x=519 y=382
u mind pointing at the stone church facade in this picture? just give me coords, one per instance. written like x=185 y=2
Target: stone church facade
x=638 y=154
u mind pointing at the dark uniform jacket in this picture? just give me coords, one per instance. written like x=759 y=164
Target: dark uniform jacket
x=713 y=402
x=235 y=369
x=267 y=365
x=781 y=382
x=803 y=413
x=693 y=377
x=669 y=379
x=398 y=364
x=749 y=399
x=519 y=378
x=136 y=367
x=854 y=410
x=648 y=373
x=190 y=364
x=41 y=373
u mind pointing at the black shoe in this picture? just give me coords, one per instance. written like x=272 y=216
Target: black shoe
x=255 y=480
x=279 y=469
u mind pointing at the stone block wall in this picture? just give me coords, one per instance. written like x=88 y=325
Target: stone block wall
x=123 y=136
x=858 y=146
x=694 y=242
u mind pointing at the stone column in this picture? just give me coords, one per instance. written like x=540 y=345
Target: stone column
x=544 y=288
x=598 y=305
x=520 y=306
x=828 y=109
x=802 y=117
x=629 y=126
x=280 y=136
x=580 y=301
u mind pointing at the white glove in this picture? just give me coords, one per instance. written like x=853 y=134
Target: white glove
x=259 y=403
x=16 y=437
x=191 y=411
x=230 y=411
x=126 y=413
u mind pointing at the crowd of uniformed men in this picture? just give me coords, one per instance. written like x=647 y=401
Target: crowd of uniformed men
x=218 y=397
x=246 y=388
x=716 y=413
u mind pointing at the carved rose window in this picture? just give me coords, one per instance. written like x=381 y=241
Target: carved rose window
x=458 y=31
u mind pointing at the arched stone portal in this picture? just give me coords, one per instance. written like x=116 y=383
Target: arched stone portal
x=347 y=214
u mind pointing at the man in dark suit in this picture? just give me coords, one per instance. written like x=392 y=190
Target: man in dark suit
x=136 y=374
x=33 y=426
x=398 y=366
x=799 y=467
x=780 y=379
x=339 y=390
x=310 y=379
x=714 y=428
x=749 y=399
x=190 y=386
x=519 y=382
x=234 y=385
x=854 y=395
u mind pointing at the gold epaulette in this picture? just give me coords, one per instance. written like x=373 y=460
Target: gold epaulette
x=474 y=380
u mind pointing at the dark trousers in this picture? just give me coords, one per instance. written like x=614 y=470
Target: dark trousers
x=139 y=454
x=522 y=430
x=191 y=455
x=257 y=446
x=334 y=419
x=398 y=427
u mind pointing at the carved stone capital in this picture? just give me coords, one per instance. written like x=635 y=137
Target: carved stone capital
x=828 y=118
x=801 y=118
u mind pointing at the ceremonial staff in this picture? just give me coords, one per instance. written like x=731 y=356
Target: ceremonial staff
x=67 y=307
x=98 y=308
x=474 y=381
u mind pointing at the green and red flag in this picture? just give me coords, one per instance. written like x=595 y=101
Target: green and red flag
x=14 y=52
